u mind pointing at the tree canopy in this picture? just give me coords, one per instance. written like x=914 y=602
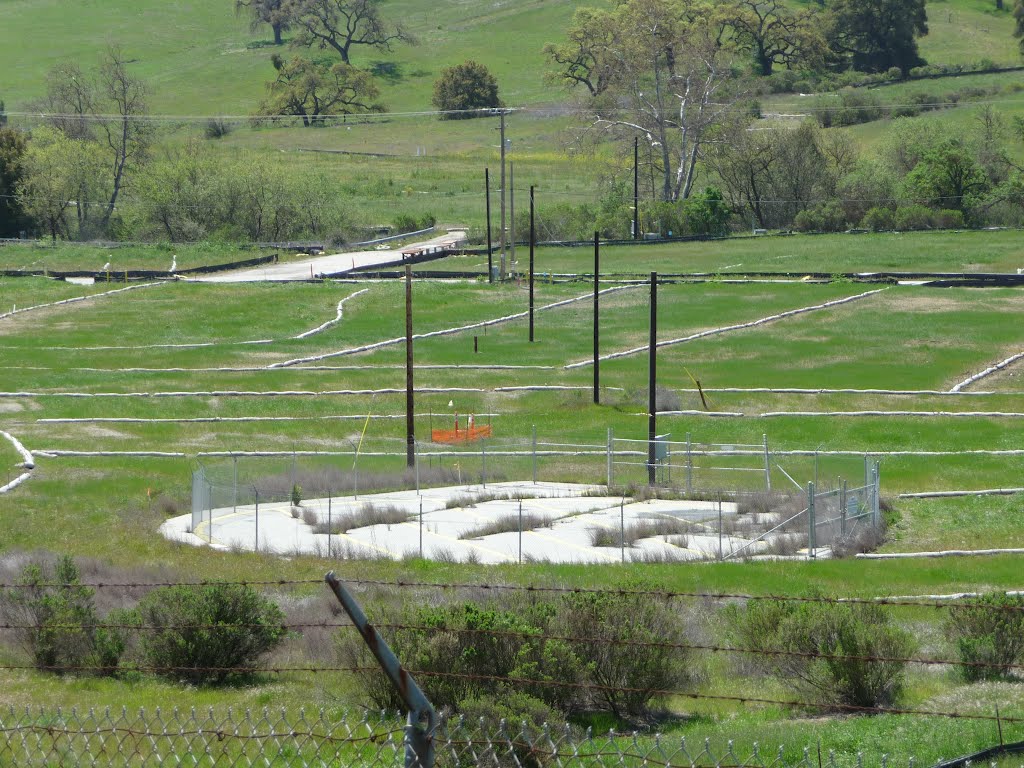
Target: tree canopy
x=312 y=90
x=876 y=35
x=343 y=24
x=270 y=12
x=465 y=86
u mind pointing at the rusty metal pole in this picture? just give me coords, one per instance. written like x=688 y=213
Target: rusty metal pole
x=410 y=421
x=419 y=741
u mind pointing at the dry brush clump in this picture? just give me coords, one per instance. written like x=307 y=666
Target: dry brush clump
x=510 y=523
x=367 y=515
x=634 y=532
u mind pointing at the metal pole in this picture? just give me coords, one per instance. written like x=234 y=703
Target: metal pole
x=501 y=125
x=636 y=187
x=622 y=528
x=419 y=741
x=512 y=216
x=534 y=435
x=483 y=462
x=652 y=405
x=257 y=543
x=330 y=523
x=410 y=407
x=719 y=527
x=520 y=531
x=421 y=527
x=842 y=507
x=234 y=484
x=812 y=536
x=875 y=487
x=209 y=496
x=689 y=466
x=768 y=466
x=417 y=446
x=611 y=448
x=597 y=319
x=533 y=238
x=490 y=255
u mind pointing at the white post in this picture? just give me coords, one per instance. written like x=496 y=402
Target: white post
x=812 y=538
x=767 y=466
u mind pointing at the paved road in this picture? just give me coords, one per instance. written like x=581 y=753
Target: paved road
x=305 y=269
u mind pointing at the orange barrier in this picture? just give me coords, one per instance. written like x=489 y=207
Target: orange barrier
x=459 y=435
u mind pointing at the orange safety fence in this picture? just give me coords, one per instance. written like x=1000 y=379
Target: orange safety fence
x=459 y=435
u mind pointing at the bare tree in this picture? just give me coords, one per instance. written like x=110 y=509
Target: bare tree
x=342 y=24
x=774 y=34
x=668 y=80
x=126 y=131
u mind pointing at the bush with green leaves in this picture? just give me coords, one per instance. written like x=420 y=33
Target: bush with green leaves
x=878 y=219
x=60 y=621
x=989 y=635
x=826 y=651
x=208 y=634
x=626 y=671
x=463 y=88
x=913 y=217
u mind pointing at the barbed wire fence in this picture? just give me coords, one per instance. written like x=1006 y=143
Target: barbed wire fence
x=311 y=737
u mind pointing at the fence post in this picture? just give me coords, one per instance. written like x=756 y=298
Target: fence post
x=520 y=531
x=483 y=462
x=209 y=497
x=812 y=538
x=875 y=487
x=867 y=471
x=767 y=466
x=330 y=522
x=416 y=462
x=234 y=484
x=689 y=466
x=842 y=507
x=611 y=439
x=421 y=527
x=419 y=741
x=534 y=434
x=622 y=528
x=257 y=492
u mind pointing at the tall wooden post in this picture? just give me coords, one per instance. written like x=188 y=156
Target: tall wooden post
x=490 y=255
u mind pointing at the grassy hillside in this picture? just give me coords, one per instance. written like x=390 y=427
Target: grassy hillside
x=199 y=58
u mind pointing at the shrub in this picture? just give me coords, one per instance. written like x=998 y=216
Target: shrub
x=912 y=217
x=990 y=631
x=878 y=219
x=824 y=217
x=706 y=213
x=514 y=708
x=61 y=633
x=466 y=86
x=949 y=219
x=847 y=634
x=210 y=633
x=217 y=128
x=629 y=676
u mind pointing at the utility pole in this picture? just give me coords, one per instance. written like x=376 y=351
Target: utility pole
x=533 y=237
x=501 y=124
x=410 y=425
x=512 y=215
x=490 y=256
x=597 y=321
x=652 y=401
x=636 y=187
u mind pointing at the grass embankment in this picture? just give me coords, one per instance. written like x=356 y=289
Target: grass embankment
x=108 y=508
x=74 y=257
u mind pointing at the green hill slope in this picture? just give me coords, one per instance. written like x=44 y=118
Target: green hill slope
x=199 y=58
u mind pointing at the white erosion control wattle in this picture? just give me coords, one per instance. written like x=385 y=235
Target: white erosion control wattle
x=443 y=332
x=988 y=372
x=76 y=299
x=729 y=328
x=335 y=321
x=28 y=462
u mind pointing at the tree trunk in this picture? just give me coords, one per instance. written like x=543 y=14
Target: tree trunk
x=277 y=34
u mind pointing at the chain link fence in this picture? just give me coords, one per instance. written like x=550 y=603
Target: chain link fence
x=753 y=503
x=243 y=738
